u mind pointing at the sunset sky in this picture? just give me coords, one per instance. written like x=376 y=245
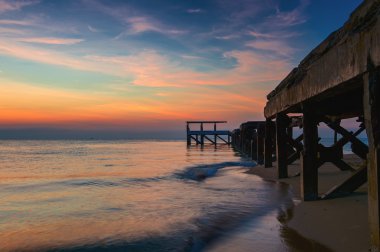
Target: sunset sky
x=147 y=66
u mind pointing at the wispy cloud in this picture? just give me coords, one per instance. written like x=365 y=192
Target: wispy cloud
x=289 y=18
x=135 y=21
x=228 y=37
x=193 y=10
x=274 y=46
x=15 y=22
x=257 y=34
x=191 y=57
x=51 y=57
x=52 y=41
x=277 y=34
x=13 y=5
x=152 y=69
x=92 y=29
x=12 y=31
x=140 y=24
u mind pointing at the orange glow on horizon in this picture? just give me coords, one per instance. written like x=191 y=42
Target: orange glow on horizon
x=23 y=104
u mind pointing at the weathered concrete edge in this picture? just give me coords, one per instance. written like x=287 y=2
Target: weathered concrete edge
x=344 y=61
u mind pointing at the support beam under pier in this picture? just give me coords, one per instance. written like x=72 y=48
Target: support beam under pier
x=282 y=122
x=260 y=134
x=268 y=143
x=371 y=105
x=309 y=156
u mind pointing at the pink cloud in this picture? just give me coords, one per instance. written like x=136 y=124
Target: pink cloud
x=11 y=31
x=151 y=69
x=52 y=41
x=12 y=5
x=190 y=57
x=140 y=24
x=41 y=55
x=261 y=35
x=15 y=22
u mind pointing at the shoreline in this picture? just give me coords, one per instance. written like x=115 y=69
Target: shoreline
x=340 y=224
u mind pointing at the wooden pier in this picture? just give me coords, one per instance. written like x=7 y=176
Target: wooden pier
x=249 y=139
x=212 y=136
x=339 y=79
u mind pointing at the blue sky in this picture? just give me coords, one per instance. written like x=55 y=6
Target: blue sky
x=141 y=64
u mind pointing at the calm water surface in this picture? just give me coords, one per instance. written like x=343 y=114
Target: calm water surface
x=132 y=196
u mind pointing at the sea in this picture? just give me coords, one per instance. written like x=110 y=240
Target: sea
x=124 y=195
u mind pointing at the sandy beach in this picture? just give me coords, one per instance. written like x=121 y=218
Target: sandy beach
x=340 y=224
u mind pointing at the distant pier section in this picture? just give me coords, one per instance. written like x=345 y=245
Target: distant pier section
x=205 y=134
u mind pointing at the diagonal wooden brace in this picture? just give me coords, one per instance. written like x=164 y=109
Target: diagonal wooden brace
x=349 y=185
x=359 y=148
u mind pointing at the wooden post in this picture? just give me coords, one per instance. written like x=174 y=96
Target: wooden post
x=215 y=134
x=337 y=122
x=289 y=132
x=260 y=143
x=371 y=106
x=281 y=146
x=309 y=156
x=202 y=135
x=253 y=150
x=268 y=143
x=188 y=134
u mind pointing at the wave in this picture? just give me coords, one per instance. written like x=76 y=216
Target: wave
x=203 y=171
x=197 y=173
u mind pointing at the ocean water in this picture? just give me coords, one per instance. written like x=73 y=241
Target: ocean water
x=135 y=196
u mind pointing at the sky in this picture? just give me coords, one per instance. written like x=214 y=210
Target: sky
x=143 y=68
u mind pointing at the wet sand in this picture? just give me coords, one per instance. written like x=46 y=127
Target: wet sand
x=339 y=224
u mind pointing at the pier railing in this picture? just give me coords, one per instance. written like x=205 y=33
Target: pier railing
x=201 y=135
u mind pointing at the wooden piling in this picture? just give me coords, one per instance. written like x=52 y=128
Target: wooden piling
x=281 y=146
x=215 y=136
x=187 y=134
x=260 y=143
x=202 y=135
x=371 y=105
x=309 y=156
x=268 y=143
x=253 y=150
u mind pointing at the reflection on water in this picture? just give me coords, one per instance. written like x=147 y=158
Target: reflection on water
x=127 y=195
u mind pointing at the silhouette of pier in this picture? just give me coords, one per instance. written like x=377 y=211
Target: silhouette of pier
x=339 y=79
x=212 y=136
